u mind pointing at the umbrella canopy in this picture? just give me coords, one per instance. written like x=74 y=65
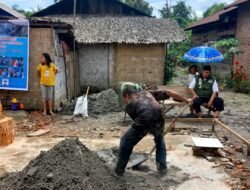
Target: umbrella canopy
x=203 y=54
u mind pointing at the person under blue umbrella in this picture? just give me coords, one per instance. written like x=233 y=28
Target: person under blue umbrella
x=204 y=89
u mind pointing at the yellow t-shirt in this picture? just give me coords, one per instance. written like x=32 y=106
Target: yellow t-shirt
x=48 y=76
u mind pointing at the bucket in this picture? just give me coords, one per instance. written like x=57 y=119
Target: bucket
x=14 y=106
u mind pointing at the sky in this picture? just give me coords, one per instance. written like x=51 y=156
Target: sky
x=198 y=5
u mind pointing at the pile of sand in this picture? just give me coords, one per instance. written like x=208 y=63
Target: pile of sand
x=69 y=165
x=103 y=102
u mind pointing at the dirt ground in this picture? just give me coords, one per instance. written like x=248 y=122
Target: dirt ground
x=103 y=132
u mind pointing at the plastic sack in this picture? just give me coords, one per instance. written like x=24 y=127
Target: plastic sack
x=81 y=107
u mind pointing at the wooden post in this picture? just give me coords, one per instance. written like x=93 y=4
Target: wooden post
x=213 y=126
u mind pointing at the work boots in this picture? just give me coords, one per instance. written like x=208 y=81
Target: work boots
x=162 y=169
x=119 y=171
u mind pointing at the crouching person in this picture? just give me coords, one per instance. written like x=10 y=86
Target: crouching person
x=147 y=116
x=204 y=89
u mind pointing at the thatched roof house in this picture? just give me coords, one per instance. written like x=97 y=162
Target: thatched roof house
x=114 y=41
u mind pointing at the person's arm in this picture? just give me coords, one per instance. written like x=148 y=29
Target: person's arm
x=159 y=94
x=165 y=94
x=191 y=89
x=39 y=71
x=55 y=69
x=177 y=96
x=215 y=92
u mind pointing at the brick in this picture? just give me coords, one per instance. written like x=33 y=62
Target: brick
x=7 y=131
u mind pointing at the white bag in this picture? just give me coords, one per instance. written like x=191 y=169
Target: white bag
x=81 y=107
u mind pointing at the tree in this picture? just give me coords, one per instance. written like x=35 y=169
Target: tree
x=140 y=5
x=25 y=12
x=165 y=12
x=213 y=9
x=182 y=13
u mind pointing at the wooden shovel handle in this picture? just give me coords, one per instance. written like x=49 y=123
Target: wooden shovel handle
x=87 y=92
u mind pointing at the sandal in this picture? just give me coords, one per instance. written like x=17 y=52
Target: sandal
x=52 y=114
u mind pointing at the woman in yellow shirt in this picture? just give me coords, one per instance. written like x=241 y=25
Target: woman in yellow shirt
x=47 y=71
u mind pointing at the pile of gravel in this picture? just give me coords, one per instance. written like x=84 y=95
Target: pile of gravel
x=103 y=102
x=69 y=165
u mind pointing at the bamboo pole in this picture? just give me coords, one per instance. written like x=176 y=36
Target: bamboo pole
x=195 y=120
x=74 y=46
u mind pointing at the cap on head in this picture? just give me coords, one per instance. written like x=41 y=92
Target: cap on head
x=206 y=68
x=128 y=90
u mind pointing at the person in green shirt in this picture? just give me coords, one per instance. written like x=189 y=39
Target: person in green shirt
x=204 y=89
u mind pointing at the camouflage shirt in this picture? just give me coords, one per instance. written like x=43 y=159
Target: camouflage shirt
x=144 y=109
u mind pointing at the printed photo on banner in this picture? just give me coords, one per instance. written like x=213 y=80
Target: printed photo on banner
x=14 y=54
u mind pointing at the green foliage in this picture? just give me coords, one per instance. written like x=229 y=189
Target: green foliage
x=174 y=58
x=229 y=47
x=140 y=5
x=182 y=13
x=165 y=12
x=213 y=9
x=239 y=82
x=24 y=12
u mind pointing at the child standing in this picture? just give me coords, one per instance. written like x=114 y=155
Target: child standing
x=46 y=71
x=193 y=71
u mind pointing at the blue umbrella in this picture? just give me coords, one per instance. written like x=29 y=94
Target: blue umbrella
x=203 y=54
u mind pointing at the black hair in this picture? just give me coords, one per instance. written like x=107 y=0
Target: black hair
x=193 y=66
x=207 y=68
x=128 y=91
x=47 y=58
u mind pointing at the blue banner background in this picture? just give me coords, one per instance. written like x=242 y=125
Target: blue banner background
x=14 y=53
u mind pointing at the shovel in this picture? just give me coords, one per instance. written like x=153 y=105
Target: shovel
x=141 y=158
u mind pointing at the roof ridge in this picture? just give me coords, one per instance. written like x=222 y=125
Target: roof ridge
x=11 y=11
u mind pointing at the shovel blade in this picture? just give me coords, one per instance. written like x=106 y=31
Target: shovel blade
x=137 y=160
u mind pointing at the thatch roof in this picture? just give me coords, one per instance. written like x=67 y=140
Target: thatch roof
x=117 y=29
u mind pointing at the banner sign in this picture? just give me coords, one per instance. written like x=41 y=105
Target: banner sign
x=14 y=54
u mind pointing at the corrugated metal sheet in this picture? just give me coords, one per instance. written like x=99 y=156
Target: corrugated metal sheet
x=7 y=11
x=210 y=19
x=104 y=7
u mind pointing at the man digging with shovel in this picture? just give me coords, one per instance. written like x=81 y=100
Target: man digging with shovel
x=148 y=117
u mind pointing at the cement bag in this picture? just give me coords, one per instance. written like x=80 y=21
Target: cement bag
x=81 y=107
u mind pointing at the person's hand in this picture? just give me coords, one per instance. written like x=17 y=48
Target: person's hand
x=189 y=102
x=210 y=104
x=195 y=96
